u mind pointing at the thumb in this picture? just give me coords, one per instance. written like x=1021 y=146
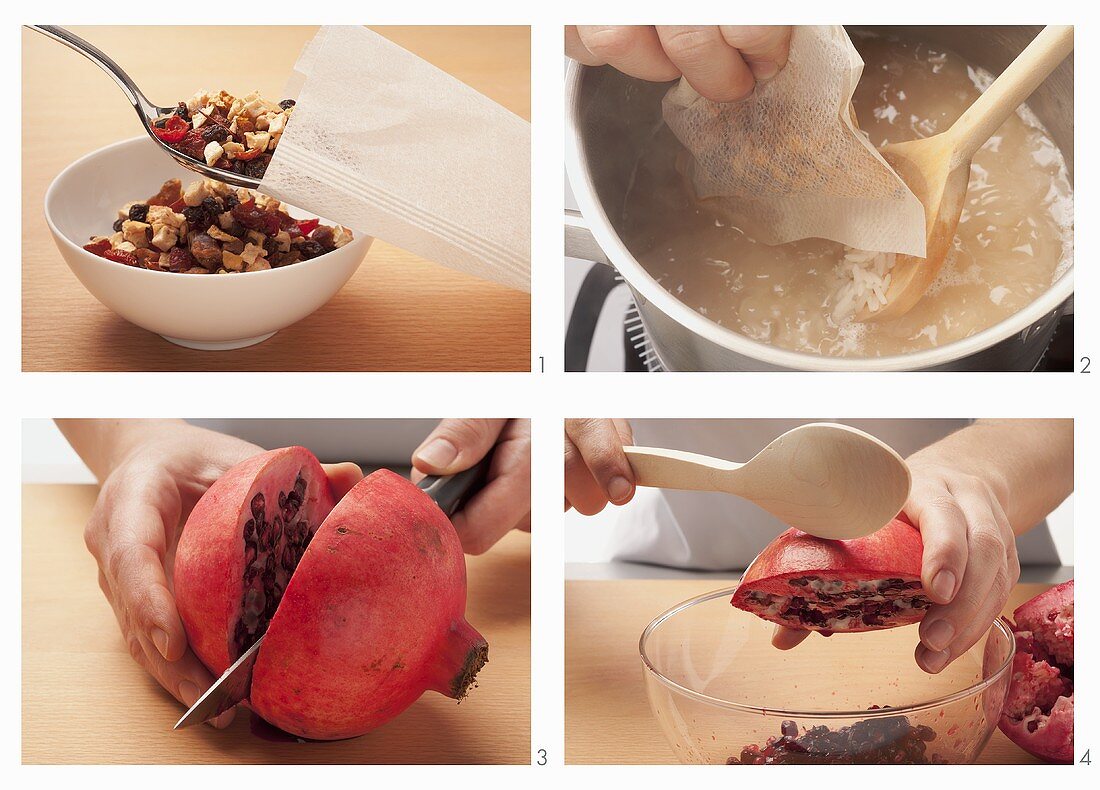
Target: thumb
x=455 y=445
x=342 y=477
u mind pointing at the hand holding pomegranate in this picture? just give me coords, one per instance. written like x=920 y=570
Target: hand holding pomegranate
x=151 y=473
x=972 y=494
x=504 y=503
x=596 y=468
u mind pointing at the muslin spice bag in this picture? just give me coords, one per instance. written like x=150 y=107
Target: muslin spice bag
x=387 y=144
x=790 y=163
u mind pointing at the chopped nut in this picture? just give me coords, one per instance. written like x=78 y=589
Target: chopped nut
x=232 y=262
x=137 y=233
x=212 y=153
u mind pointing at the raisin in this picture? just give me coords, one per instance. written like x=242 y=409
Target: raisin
x=211 y=132
x=139 y=212
x=212 y=205
x=183 y=112
x=323 y=236
x=286 y=104
x=231 y=200
x=180 y=260
x=197 y=217
x=311 y=249
x=117 y=227
x=256 y=168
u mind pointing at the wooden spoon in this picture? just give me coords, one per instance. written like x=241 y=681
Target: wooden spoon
x=937 y=169
x=828 y=480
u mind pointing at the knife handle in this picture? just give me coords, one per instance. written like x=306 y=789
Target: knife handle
x=451 y=492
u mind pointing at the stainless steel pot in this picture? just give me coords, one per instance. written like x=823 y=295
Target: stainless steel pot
x=610 y=117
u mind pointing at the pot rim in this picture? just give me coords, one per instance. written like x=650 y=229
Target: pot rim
x=641 y=282
x=975 y=688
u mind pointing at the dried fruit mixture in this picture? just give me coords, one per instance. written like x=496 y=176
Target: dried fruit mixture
x=213 y=228
x=223 y=131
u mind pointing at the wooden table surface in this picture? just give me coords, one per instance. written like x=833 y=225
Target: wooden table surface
x=399 y=312
x=86 y=701
x=607 y=715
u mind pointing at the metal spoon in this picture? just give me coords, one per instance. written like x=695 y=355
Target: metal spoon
x=829 y=480
x=146 y=110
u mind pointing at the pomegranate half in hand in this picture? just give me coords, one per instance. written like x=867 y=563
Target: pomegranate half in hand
x=362 y=602
x=1038 y=714
x=865 y=584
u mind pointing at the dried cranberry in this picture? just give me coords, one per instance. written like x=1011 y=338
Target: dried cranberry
x=98 y=247
x=286 y=104
x=139 y=212
x=121 y=256
x=174 y=129
x=191 y=145
x=307 y=226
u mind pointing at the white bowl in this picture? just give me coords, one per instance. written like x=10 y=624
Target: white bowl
x=197 y=311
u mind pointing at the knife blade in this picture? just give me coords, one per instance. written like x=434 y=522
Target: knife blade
x=229 y=690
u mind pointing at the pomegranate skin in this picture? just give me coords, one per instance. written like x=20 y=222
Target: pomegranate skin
x=210 y=562
x=845 y=573
x=1038 y=714
x=372 y=618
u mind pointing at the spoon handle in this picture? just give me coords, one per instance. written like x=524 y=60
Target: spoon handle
x=1016 y=83
x=656 y=467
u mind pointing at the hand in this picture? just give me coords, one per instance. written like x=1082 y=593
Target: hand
x=504 y=503
x=596 y=468
x=155 y=480
x=970 y=563
x=721 y=62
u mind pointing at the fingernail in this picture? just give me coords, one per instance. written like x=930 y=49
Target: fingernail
x=618 y=490
x=764 y=69
x=223 y=721
x=160 y=639
x=437 y=453
x=938 y=635
x=190 y=692
x=934 y=662
x=943 y=585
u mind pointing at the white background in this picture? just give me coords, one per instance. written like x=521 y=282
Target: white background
x=549 y=396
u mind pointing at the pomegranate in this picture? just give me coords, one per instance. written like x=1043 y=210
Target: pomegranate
x=361 y=604
x=1038 y=714
x=865 y=584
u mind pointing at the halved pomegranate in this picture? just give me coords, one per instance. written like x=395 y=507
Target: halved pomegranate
x=362 y=604
x=865 y=584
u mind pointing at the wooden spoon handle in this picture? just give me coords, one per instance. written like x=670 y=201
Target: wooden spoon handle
x=1011 y=89
x=656 y=467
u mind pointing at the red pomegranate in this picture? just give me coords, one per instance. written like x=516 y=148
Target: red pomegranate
x=1038 y=714
x=361 y=604
x=865 y=584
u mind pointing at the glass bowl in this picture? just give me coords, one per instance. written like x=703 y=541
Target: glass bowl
x=722 y=693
